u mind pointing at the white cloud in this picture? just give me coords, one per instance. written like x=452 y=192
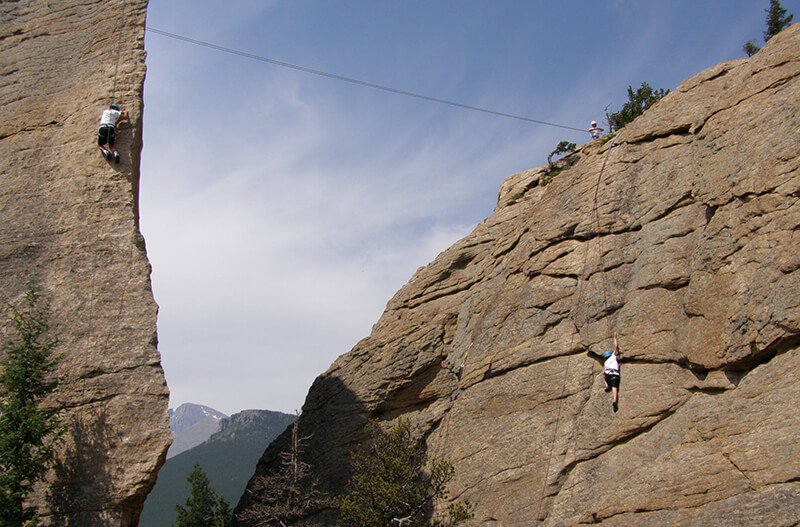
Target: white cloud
x=283 y=210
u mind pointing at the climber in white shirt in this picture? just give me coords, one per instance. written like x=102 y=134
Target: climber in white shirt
x=611 y=372
x=107 y=133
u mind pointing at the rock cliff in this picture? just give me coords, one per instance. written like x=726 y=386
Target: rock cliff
x=73 y=217
x=681 y=234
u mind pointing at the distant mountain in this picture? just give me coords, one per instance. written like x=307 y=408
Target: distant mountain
x=228 y=457
x=191 y=424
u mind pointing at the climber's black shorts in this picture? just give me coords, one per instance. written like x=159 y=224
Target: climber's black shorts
x=612 y=380
x=106 y=134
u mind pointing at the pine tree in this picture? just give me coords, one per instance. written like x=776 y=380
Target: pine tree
x=776 y=22
x=391 y=485
x=29 y=429
x=564 y=147
x=202 y=508
x=776 y=19
x=222 y=513
x=638 y=101
x=750 y=48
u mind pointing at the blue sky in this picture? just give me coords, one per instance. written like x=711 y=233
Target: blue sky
x=282 y=210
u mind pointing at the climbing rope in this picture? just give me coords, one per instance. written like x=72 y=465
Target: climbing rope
x=91 y=344
x=119 y=51
x=600 y=238
x=92 y=293
x=352 y=80
x=88 y=348
x=578 y=295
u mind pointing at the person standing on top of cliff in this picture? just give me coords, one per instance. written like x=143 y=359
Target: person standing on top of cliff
x=107 y=133
x=611 y=372
x=595 y=130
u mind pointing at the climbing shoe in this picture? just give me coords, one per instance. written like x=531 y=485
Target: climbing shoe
x=614 y=406
x=107 y=155
x=116 y=157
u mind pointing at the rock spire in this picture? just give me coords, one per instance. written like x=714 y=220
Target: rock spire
x=73 y=217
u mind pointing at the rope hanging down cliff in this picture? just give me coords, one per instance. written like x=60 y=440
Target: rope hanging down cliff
x=92 y=292
x=572 y=338
x=119 y=51
x=600 y=238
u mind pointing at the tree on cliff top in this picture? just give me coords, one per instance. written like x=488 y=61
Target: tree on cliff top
x=29 y=429
x=776 y=22
x=638 y=101
x=391 y=487
x=564 y=147
x=776 y=19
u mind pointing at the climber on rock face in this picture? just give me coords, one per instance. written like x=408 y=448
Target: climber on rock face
x=107 y=133
x=611 y=372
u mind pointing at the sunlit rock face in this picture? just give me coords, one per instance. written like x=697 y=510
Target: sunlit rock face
x=72 y=217
x=680 y=234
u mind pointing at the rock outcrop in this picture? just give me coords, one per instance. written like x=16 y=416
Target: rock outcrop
x=71 y=216
x=681 y=234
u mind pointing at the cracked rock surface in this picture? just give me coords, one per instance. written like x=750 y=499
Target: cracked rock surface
x=690 y=251
x=73 y=217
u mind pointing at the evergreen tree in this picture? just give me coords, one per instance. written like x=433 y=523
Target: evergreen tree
x=202 y=508
x=750 y=48
x=564 y=147
x=29 y=429
x=222 y=513
x=638 y=101
x=776 y=22
x=776 y=19
x=391 y=487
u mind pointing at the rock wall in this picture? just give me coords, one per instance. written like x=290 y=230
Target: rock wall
x=681 y=234
x=72 y=216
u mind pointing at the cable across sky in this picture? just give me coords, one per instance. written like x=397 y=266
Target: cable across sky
x=354 y=81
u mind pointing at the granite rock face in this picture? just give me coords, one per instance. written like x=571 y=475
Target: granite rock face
x=72 y=216
x=681 y=234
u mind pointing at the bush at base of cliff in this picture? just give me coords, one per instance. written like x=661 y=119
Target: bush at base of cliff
x=290 y=495
x=28 y=429
x=391 y=486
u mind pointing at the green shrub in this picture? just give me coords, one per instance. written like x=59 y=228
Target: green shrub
x=394 y=483
x=638 y=102
x=564 y=147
